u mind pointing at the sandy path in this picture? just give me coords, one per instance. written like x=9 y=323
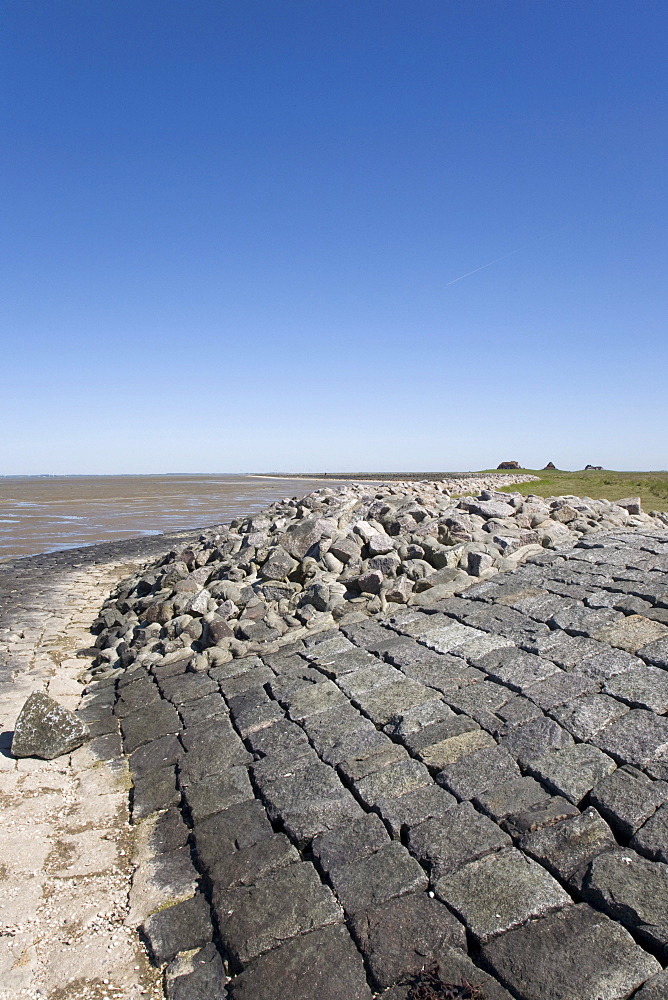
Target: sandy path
x=65 y=850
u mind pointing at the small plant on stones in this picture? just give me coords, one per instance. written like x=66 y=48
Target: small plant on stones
x=427 y=986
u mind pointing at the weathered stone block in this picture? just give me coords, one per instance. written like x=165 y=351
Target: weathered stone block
x=574 y=771
x=569 y=955
x=253 y=919
x=408 y=810
x=401 y=936
x=217 y=792
x=638 y=738
x=543 y=813
x=181 y=927
x=445 y=846
x=652 y=838
x=323 y=964
x=309 y=802
x=475 y=773
x=507 y=797
x=530 y=741
x=347 y=843
x=632 y=633
x=627 y=797
x=448 y=751
x=500 y=891
x=196 y=977
x=253 y=863
x=231 y=830
x=143 y=727
x=570 y=845
x=641 y=687
x=390 y=871
x=393 y=780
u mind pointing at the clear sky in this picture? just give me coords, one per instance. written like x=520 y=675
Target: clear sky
x=232 y=232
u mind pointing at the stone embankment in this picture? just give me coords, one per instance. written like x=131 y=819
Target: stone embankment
x=360 y=753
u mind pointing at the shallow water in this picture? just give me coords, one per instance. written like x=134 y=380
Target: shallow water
x=47 y=513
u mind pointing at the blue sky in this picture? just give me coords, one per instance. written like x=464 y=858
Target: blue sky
x=231 y=233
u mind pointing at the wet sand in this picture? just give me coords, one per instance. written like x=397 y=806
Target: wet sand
x=46 y=514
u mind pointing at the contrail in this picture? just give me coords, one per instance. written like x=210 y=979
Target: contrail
x=476 y=269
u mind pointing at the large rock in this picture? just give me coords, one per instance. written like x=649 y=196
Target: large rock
x=45 y=729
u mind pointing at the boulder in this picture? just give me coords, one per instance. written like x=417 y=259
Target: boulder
x=46 y=730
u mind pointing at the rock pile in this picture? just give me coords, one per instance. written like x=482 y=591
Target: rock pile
x=335 y=556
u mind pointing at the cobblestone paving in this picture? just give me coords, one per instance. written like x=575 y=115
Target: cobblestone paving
x=481 y=785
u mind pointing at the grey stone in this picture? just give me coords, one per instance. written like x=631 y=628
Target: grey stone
x=302 y=537
x=386 y=701
x=515 y=668
x=627 y=798
x=143 y=727
x=543 y=813
x=560 y=688
x=586 y=716
x=393 y=780
x=200 y=977
x=439 y=755
x=533 y=739
x=507 y=797
x=638 y=738
x=278 y=566
x=656 y=653
x=323 y=964
x=574 y=771
x=217 y=792
x=655 y=988
x=160 y=753
x=311 y=699
x=401 y=936
x=282 y=735
x=154 y=790
x=500 y=891
x=641 y=687
x=253 y=863
x=652 y=838
x=569 y=955
x=253 y=919
x=390 y=871
x=632 y=633
x=568 y=846
x=187 y=687
x=435 y=733
x=181 y=927
x=231 y=830
x=445 y=846
x=632 y=890
x=309 y=802
x=607 y=663
x=347 y=843
x=46 y=730
x=475 y=773
x=408 y=810
x=454 y=969
x=202 y=709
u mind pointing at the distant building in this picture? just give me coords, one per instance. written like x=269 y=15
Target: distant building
x=509 y=465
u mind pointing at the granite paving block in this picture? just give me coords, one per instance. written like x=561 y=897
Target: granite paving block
x=401 y=936
x=362 y=741
x=217 y=792
x=652 y=838
x=515 y=668
x=408 y=810
x=568 y=846
x=586 y=716
x=201 y=709
x=159 y=753
x=500 y=891
x=438 y=671
x=309 y=802
x=607 y=663
x=154 y=790
x=573 y=954
x=390 y=871
x=200 y=977
x=627 y=798
x=638 y=738
x=323 y=964
x=367 y=678
x=476 y=699
x=504 y=798
x=444 y=846
x=515 y=712
x=454 y=969
x=283 y=735
x=641 y=687
x=186 y=687
x=655 y=988
x=140 y=727
x=568 y=652
x=632 y=890
x=253 y=863
x=253 y=919
x=561 y=688
x=209 y=733
x=392 y=780
x=438 y=755
x=211 y=758
x=355 y=839
x=443 y=730
x=372 y=758
x=475 y=773
x=181 y=927
x=418 y=717
x=341 y=664
x=169 y=831
x=632 y=633
x=247 y=680
x=284 y=763
x=579 y=620
x=311 y=699
x=655 y=652
x=252 y=719
x=574 y=771
x=231 y=830
x=533 y=739
x=384 y=702
x=543 y=814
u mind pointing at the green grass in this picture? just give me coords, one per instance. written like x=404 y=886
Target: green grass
x=651 y=487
